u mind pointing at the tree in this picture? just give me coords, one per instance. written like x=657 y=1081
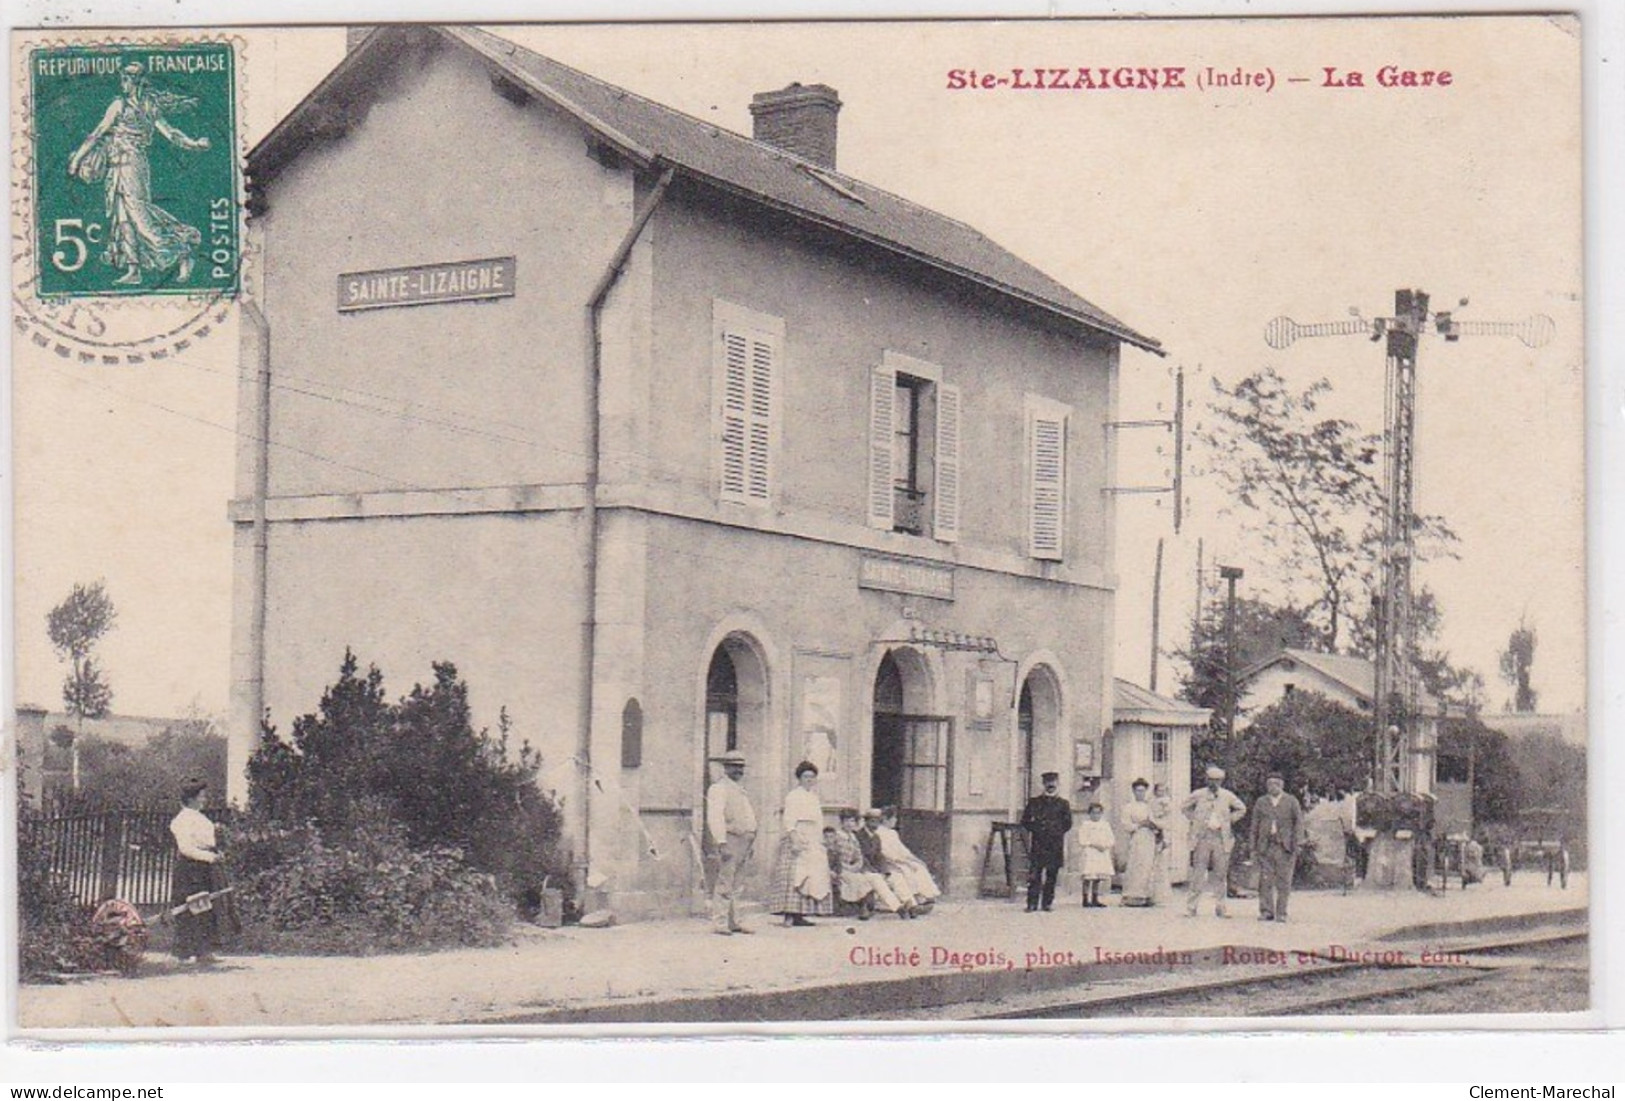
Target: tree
x=1261 y=630
x=1516 y=662
x=1312 y=741
x=1311 y=491
x=74 y=627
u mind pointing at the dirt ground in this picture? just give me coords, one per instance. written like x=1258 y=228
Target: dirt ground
x=573 y=967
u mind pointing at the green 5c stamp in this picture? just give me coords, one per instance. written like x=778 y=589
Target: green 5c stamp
x=135 y=170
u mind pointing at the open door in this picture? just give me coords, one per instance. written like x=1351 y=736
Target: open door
x=912 y=769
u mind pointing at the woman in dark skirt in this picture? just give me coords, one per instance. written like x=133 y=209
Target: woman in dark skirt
x=195 y=860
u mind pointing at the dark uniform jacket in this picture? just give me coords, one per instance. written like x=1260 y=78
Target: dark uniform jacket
x=1278 y=824
x=869 y=844
x=1047 y=820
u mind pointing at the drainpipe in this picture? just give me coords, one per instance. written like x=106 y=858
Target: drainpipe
x=589 y=626
x=262 y=485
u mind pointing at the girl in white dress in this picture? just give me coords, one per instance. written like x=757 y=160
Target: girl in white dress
x=1096 y=839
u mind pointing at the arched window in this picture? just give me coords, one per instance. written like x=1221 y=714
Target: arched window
x=1024 y=742
x=632 y=734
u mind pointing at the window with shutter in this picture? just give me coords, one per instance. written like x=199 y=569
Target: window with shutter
x=946 y=521
x=1046 y=479
x=748 y=350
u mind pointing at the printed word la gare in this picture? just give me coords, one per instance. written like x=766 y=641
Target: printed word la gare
x=1388 y=76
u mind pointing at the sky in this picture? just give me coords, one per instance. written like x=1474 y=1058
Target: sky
x=1193 y=215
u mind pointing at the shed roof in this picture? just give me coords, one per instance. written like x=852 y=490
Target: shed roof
x=1131 y=703
x=651 y=133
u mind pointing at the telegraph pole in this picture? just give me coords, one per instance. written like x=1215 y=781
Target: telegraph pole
x=1156 y=614
x=1231 y=575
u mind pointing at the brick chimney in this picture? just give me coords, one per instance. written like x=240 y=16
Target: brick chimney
x=799 y=119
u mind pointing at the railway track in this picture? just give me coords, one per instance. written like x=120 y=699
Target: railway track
x=1320 y=986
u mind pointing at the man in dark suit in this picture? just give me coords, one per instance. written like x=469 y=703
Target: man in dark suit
x=1277 y=825
x=1047 y=820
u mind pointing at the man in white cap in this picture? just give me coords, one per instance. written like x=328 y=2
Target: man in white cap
x=1213 y=811
x=730 y=834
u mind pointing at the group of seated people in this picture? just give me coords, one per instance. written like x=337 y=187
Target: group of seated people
x=873 y=870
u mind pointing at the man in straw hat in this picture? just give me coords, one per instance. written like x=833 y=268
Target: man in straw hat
x=730 y=834
x=1213 y=810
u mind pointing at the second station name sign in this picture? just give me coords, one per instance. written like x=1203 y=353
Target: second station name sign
x=424 y=284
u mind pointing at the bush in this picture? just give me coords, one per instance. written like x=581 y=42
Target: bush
x=365 y=892
x=54 y=926
x=420 y=764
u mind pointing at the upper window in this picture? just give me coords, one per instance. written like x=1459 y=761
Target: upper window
x=913 y=449
x=1046 y=478
x=748 y=351
x=1160 y=739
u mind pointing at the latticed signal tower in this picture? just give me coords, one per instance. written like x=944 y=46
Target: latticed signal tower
x=1397 y=690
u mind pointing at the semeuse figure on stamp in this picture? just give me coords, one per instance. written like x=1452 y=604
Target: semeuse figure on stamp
x=730 y=836
x=1047 y=820
x=195 y=859
x=1213 y=810
x=801 y=884
x=141 y=236
x=1276 y=830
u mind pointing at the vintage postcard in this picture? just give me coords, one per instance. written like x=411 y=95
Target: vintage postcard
x=944 y=525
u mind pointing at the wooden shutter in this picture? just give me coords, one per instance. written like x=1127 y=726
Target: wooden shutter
x=945 y=524
x=759 y=443
x=735 y=403
x=882 y=409
x=748 y=411
x=1046 y=472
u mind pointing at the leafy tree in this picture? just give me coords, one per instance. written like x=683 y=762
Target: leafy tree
x=1261 y=630
x=1516 y=662
x=1314 y=742
x=75 y=626
x=1310 y=488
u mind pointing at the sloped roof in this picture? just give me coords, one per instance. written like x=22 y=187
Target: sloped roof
x=650 y=133
x=1132 y=703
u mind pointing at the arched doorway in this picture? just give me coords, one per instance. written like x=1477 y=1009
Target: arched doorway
x=1038 y=723
x=912 y=758
x=736 y=705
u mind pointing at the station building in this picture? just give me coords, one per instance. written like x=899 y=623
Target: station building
x=674 y=441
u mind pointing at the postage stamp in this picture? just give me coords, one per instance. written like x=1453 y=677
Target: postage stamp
x=718 y=525
x=126 y=168
x=145 y=138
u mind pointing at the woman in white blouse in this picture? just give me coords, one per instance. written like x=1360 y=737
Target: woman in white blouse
x=801 y=884
x=195 y=858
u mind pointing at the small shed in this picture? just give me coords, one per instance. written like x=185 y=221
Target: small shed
x=1150 y=738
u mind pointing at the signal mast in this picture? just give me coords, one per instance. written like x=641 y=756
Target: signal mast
x=1397 y=691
